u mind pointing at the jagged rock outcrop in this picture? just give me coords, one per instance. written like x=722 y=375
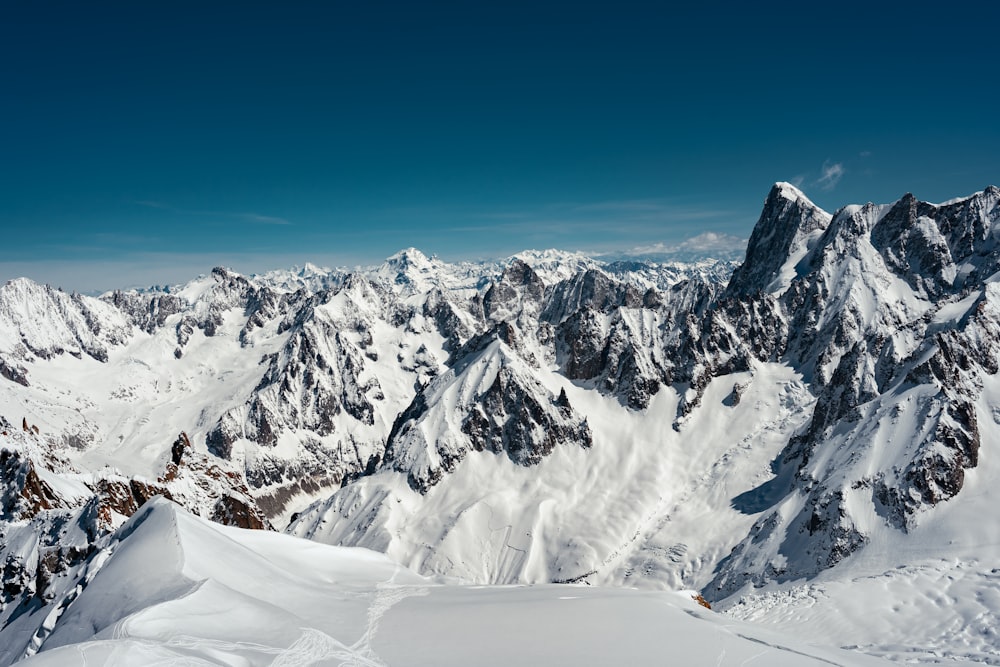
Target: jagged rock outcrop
x=54 y=517
x=897 y=348
x=788 y=225
x=518 y=291
x=618 y=350
x=329 y=359
x=148 y=311
x=39 y=322
x=14 y=372
x=881 y=318
x=488 y=401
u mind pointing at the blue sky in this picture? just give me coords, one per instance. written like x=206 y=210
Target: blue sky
x=144 y=143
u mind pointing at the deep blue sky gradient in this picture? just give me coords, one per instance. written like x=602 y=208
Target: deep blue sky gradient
x=145 y=142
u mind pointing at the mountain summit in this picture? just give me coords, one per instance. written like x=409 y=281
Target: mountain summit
x=818 y=411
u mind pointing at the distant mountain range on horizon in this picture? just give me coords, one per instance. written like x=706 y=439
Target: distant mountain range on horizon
x=825 y=410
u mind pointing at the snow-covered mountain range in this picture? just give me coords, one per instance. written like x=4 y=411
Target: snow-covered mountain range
x=828 y=410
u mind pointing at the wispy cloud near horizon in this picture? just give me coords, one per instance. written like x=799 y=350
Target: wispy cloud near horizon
x=707 y=244
x=239 y=215
x=101 y=259
x=830 y=175
x=626 y=215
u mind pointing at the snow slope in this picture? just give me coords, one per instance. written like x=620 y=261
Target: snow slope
x=169 y=588
x=827 y=415
x=295 y=376
x=645 y=504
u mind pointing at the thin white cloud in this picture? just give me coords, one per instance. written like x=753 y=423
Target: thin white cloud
x=707 y=241
x=831 y=174
x=706 y=244
x=621 y=205
x=573 y=217
x=151 y=204
x=249 y=217
x=263 y=219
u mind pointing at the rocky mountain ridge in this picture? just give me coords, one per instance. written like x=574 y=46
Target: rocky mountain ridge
x=572 y=419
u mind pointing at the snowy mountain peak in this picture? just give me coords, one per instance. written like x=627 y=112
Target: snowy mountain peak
x=547 y=417
x=553 y=266
x=409 y=271
x=37 y=321
x=311 y=269
x=788 y=226
x=789 y=192
x=408 y=257
x=491 y=400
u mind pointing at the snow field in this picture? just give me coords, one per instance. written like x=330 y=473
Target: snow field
x=178 y=590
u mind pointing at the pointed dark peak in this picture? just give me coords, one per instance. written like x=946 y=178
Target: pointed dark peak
x=517 y=286
x=505 y=332
x=787 y=219
x=520 y=273
x=904 y=207
x=229 y=279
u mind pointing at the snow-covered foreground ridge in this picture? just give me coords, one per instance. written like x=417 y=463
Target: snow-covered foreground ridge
x=170 y=588
x=826 y=412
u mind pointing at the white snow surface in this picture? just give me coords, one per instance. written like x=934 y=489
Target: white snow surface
x=173 y=589
x=646 y=505
x=124 y=411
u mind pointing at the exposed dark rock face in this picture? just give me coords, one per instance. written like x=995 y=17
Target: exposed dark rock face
x=510 y=414
x=785 y=226
x=315 y=378
x=14 y=372
x=233 y=511
x=25 y=494
x=616 y=350
x=884 y=311
x=147 y=312
x=510 y=419
x=28 y=575
x=181 y=444
x=51 y=323
x=518 y=286
x=119 y=497
x=816 y=539
x=447 y=319
x=913 y=248
x=51 y=530
x=584 y=341
x=321 y=388
x=592 y=290
x=880 y=352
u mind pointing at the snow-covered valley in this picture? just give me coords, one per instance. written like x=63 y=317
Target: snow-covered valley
x=808 y=439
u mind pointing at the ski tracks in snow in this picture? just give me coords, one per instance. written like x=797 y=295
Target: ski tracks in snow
x=387 y=595
x=313 y=647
